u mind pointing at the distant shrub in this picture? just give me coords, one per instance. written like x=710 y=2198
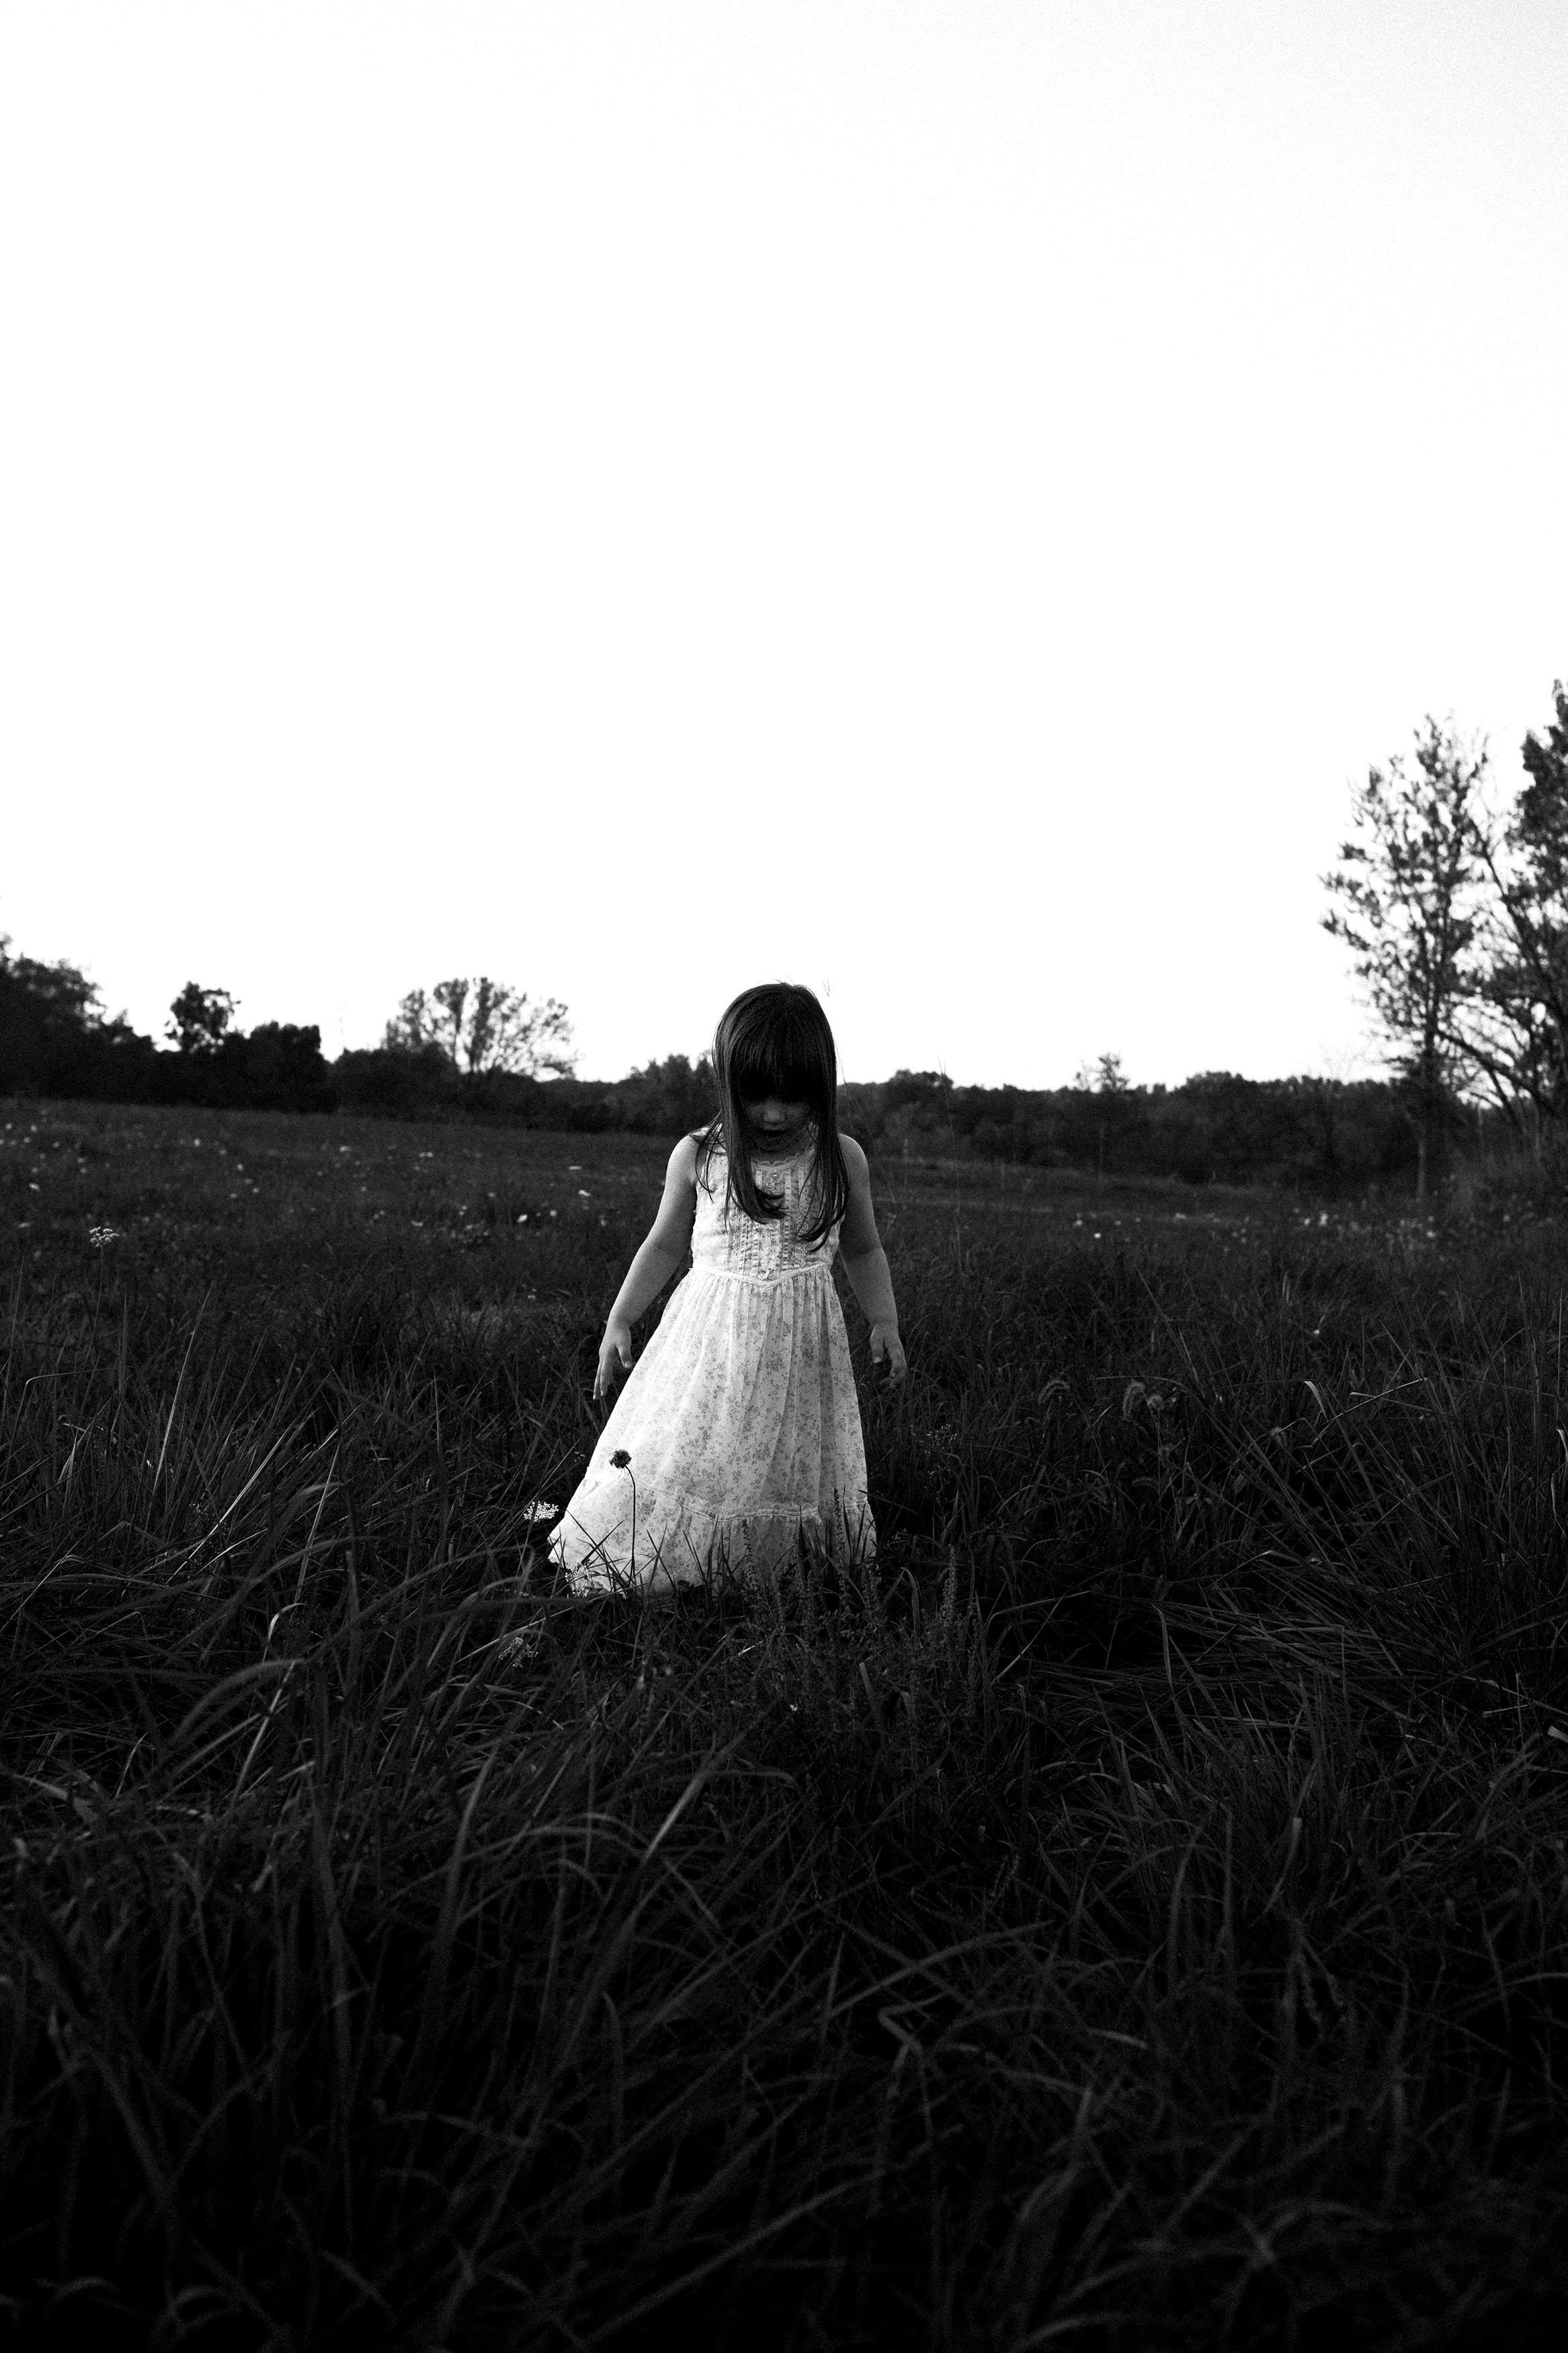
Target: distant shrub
x=276 y=1067
x=395 y=1082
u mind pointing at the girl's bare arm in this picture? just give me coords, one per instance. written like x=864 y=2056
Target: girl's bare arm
x=668 y=1239
x=866 y=1264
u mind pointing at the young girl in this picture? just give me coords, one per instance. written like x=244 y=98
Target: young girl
x=737 y=1441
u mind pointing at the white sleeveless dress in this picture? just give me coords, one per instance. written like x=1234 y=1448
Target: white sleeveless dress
x=740 y=1420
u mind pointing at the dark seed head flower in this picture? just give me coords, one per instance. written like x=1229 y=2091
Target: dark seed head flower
x=620 y=1460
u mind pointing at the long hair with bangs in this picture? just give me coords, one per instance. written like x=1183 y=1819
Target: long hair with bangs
x=775 y=1041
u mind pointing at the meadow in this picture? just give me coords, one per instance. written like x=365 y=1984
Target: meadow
x=1135 y=1915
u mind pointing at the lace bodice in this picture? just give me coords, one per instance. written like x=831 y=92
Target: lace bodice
x=749 y=1250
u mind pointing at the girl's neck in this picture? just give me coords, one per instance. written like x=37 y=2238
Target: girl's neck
x=785 y=1144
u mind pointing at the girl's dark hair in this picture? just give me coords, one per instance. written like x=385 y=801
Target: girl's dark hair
x=775 y=1041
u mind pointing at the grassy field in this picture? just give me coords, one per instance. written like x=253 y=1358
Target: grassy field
x=1137 y=1917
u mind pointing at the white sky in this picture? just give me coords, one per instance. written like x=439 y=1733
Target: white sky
x=935 y=501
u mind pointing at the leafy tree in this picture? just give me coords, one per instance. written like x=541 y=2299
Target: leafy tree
x=59 y=996
x=1103 y=1076
x=1408 y=891
x=1516 y=1021
x=54 y=1033
x=202 y=1017
x=484 y=1026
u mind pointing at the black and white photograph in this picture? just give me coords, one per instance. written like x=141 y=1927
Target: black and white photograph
x=784 y=1176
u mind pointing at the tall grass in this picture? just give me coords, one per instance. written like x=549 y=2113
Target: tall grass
x=1133 y=1916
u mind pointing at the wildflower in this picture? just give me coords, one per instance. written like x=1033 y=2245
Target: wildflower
x=620 y=1460
x=524 y=1644
x=540 y=1510
x=101 y=1236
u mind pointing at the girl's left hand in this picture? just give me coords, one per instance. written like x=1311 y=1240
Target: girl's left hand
x=886 y=1344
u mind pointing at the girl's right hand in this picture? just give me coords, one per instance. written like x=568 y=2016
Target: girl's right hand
x=614 y=1358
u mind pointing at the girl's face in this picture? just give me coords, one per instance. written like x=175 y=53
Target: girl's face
x=770 y=1115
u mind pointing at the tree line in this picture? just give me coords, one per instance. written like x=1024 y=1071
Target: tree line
x=484 y=1051
x=439 y=1050
x=1456 y=912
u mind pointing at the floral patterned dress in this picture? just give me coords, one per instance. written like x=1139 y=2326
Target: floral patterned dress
x=739 y=1423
